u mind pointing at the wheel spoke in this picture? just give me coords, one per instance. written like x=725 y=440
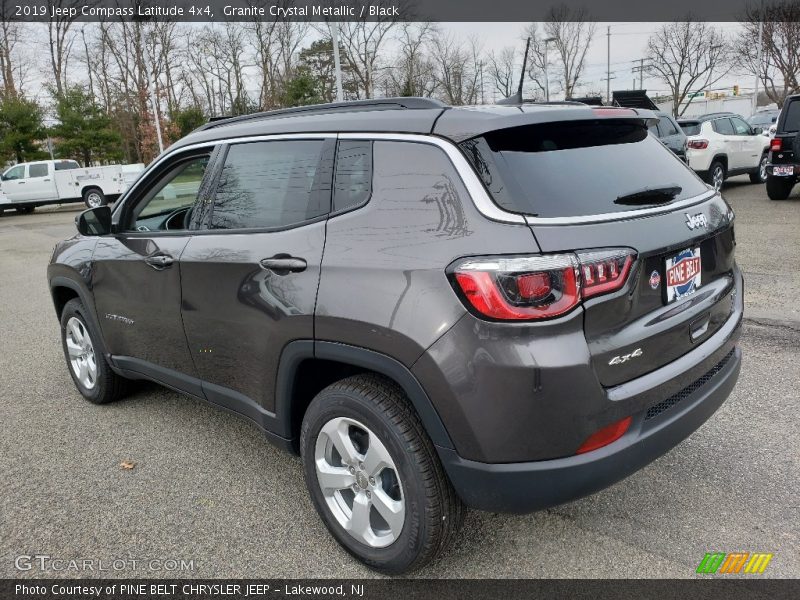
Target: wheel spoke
x=75 y=330
x=73 y=349
x=333 y=478
x=359 y=525
x=340 y=437
x=83 y=371
x=392 y=511
x=377 y=457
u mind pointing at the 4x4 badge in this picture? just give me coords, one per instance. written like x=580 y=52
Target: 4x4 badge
x=695 y=221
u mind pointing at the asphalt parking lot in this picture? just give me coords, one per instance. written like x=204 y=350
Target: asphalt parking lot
x=208 y=488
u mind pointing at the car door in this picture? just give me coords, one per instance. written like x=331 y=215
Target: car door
x=40 y=183
x=751 y=145
x=250 y=280
x=136 y=275
x=731 y=144
x=14 y=183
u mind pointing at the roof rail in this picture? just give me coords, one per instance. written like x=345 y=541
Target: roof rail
x=410 y=103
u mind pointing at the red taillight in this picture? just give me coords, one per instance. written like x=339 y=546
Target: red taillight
x=540 y=287
x=698 y=144
x=604 y=271
x=520 y=289
x=776 y=144
x=605 y=436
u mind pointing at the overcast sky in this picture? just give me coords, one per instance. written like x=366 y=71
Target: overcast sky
x=628 y=44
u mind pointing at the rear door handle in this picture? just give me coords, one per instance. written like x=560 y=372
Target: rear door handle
x=159 y=261
x=283 y=264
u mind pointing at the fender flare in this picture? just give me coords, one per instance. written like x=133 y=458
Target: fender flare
x=85 y=298
x=297 y=351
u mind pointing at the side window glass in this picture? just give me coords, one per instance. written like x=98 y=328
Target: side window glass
x=723 y=126
x=653 y=129
x=271 y=184
x=17 y=172
x=38 y=170
x=740 y=127
x=168 y=204
x=353 y=178
x=667 y=127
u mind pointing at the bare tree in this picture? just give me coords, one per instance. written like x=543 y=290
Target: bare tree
x=362 y=41
x=458 y=69
x=12 y=64
x=570 y=34
x=779 y=69
x=413 y=71
x=61 y=38
x=503 y=71
x=685 y=56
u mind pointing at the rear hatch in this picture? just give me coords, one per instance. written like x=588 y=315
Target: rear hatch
x=600 y=184
x=782 y=146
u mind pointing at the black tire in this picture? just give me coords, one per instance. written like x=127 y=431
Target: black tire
x=779 y=188
x=433 y=511
x=712 y=173
x=108 y=386
x=94 y=197
x=25 y=210
x=760 y=176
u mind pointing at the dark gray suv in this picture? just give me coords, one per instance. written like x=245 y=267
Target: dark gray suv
x=502 y=307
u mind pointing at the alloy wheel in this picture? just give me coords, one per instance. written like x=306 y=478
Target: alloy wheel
x=360 y=482
x=94 y=200
x=717 y=177
x=82 y=360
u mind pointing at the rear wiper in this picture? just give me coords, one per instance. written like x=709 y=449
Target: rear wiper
x=657 y=195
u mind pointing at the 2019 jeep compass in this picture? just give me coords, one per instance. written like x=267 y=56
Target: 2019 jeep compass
x=502 y=307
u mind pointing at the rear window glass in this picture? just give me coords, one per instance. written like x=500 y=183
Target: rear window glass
x=66 y=165
x=762 y=119
x=691 y=127
x=579 y=168
x=666 y=126
x=353 y=178
x=723 y=126
x=38 y=170
x=792 y=121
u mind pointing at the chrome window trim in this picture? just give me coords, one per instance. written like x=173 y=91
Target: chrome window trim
x=478 y=193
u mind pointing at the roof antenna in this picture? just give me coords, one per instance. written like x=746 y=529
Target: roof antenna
x=517 y=98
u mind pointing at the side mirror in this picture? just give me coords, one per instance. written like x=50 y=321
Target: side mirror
x=758 y=130
x=95 y=221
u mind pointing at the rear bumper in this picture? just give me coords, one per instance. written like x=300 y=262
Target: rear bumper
x=669 y=416
x=526 y=487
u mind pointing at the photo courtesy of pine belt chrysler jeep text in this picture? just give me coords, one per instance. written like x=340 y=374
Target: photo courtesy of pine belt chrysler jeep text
x=498 y=307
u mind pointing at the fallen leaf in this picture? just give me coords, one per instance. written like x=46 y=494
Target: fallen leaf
x=127 y=464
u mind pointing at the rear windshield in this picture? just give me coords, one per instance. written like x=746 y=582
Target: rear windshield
x=762 y=119
x=66 y=165
x=690 y=127
x=579 y=168
x=792 y=121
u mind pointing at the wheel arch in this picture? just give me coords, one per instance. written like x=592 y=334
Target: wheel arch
x=306 y=367
x=64 y=289
x=723 y=158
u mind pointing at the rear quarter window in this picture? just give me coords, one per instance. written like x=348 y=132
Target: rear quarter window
x=792 y=121
x=579 y=168
x=691 y=128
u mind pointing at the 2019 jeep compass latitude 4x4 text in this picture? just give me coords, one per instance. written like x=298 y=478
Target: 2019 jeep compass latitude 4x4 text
x=502 y=307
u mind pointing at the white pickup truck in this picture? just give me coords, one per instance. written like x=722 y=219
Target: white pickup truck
x=28 y=185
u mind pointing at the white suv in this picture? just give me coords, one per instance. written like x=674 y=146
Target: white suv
x=721 y=145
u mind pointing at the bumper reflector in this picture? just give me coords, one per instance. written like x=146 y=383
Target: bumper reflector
x=605 y=436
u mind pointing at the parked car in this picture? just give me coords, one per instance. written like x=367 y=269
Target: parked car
x=784 y=162
x=28 y=185
x=721 y=145
x=670 y=134
x=766 y=120
x=504 y=307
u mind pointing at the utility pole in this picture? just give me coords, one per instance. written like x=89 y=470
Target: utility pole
x=758 y=59
x=337 y=65
x=546 y=76
x=640 y=70
x=608 y=65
